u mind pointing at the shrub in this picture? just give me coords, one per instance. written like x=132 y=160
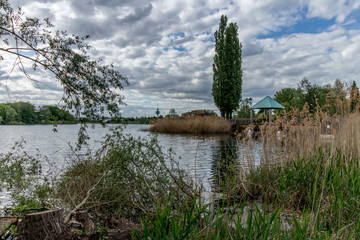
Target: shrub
x=127 y=177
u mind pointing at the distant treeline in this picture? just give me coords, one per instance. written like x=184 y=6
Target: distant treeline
x=26 y=113
x=134 y=120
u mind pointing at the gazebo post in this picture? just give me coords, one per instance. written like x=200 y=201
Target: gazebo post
x=270 y=115
x=251 y=116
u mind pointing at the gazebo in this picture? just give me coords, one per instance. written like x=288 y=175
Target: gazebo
x=266 y=103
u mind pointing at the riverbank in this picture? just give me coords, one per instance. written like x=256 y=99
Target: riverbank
x=304 y=186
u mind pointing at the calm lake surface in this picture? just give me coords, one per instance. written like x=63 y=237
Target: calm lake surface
x=204 y=155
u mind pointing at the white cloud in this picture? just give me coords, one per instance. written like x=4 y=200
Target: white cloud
x=328 y=9
x=138 y=37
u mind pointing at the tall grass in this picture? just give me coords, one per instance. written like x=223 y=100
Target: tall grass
x=308 y=198
x=194 y=124
x=197 y=221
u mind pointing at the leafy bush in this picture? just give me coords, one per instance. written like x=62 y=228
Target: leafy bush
x=18 y=169
x=126 y=177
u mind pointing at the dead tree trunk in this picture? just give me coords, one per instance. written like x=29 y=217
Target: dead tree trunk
x=42 y=225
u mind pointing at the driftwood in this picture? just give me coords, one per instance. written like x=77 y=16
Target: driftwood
x=6 y=223
x=42 y=225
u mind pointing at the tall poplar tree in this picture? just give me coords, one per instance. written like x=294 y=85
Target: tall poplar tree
x=227 y=78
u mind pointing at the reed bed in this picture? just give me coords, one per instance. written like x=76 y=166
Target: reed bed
x=193 y=124
x=299 y=178
x=308 y=166
x=302 y=135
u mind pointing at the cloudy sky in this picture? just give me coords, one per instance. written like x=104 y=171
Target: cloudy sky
x=166 y=47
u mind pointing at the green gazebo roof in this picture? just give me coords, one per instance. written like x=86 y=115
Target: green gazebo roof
x=268 y=103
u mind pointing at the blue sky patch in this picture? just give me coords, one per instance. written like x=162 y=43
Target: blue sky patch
x=174 y=36
x=180 y=49
x=27 y=53
x=352 y=21
x=307 y=25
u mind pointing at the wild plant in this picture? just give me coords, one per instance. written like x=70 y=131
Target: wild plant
x=126 y=177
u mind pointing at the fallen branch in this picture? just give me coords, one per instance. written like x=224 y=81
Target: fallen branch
x=67 y=218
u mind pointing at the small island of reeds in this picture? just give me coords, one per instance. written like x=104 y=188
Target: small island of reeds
x=192 y=124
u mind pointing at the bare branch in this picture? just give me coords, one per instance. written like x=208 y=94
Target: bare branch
x=84 y=201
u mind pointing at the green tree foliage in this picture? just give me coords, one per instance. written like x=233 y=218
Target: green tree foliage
x=9 y=114
x=57 y=114
x=335 y=99
x=227 y=77
x=313 y=94
x=44 y=115
x=290 y=97
x=306 y=92
x=90 y=87
x=244 y=110
x=26 y=113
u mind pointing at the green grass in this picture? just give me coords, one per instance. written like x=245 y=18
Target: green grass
x=309 y=198
x=328 y=186
x=203 y=222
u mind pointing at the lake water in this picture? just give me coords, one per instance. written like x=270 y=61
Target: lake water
x=205 y=156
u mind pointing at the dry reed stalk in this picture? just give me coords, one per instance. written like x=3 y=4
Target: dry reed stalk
x=347 y=140
x=303 y=134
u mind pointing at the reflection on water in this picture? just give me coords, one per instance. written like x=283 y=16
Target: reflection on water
x=204 y=156
x=224 y=161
